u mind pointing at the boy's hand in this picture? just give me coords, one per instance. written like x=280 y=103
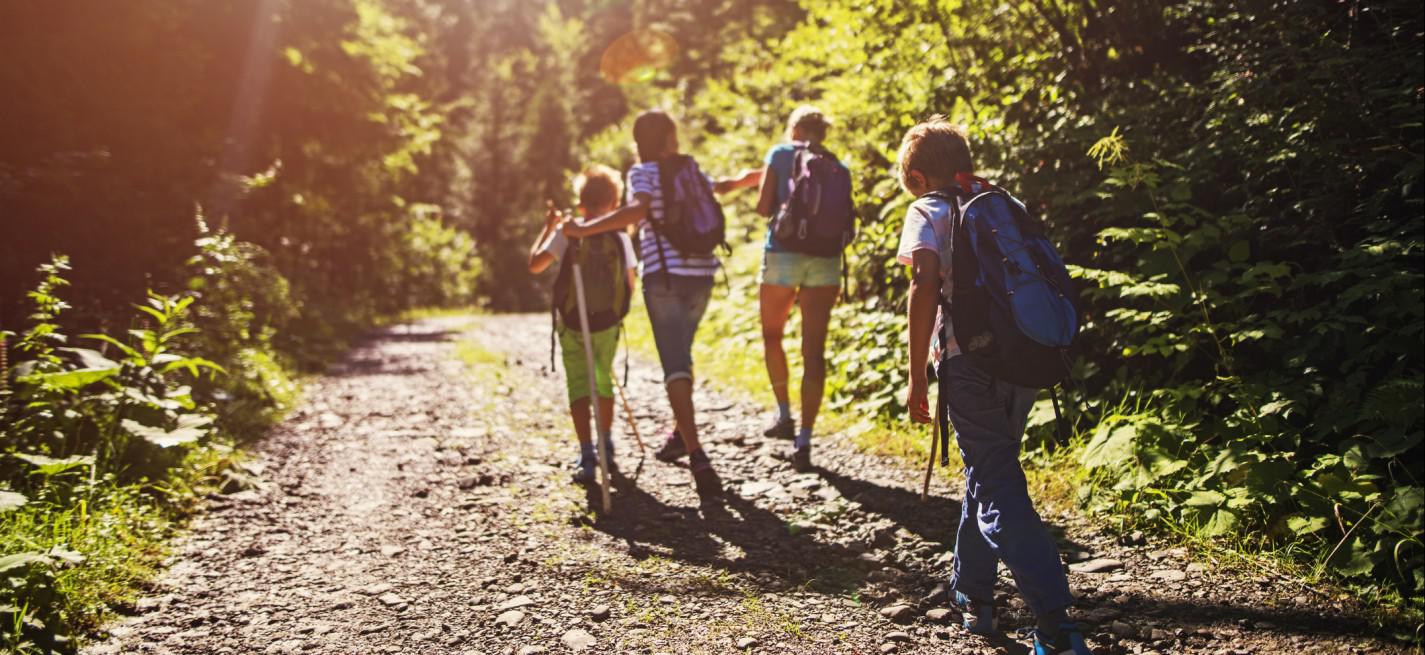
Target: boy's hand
x=917 y=400
x=552 y=216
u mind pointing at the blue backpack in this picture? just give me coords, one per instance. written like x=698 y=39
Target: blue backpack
x=817 y=218
x=1013 y=309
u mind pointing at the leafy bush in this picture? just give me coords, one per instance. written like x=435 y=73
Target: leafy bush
x=80 y=432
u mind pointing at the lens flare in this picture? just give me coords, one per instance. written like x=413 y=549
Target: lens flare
x=638 y=56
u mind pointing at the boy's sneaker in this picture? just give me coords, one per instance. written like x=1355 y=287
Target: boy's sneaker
x=586 y=470
x=799 y=458
x=1069 y=641
x=673 y=448
x=784 y=428
x=979 y=618
x=705 y=479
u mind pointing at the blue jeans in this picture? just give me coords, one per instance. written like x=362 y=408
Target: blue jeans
x=997 y=520
x=675 y=307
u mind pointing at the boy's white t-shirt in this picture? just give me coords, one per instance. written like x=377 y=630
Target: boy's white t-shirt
x=643 y=178
x=559 y=244
x=927 y=227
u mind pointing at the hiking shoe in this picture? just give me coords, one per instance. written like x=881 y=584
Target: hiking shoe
x=784 y=428
x=705 y=479
x=673 y=448
x=799 y=458
x=586 y=470
x=1069 y=641
x=978 y=618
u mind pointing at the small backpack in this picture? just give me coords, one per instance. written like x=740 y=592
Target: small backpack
x=692 y=218
x=818 y=217
x=604 y=270
x=1014 y=309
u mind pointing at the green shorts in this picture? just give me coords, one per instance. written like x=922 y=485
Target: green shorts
x=794 y=269
x=576 y=373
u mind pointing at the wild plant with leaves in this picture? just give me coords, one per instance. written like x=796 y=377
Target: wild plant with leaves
x=85 y=432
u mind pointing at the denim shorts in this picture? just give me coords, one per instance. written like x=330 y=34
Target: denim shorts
x=794 y=269
x=675 y=307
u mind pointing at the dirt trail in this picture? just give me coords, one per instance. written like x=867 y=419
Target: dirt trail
x=418 y=503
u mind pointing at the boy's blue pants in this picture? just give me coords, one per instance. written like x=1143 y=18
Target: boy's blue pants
x=997 y=520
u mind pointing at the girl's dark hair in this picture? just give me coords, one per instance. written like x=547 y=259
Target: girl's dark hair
x=650 y=133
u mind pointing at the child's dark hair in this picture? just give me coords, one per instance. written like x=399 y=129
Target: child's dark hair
x=936 y=147
x=599 y=187
x=650 y=133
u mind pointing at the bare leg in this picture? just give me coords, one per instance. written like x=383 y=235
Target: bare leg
x=680 y=398
x=579 y=411
x=776 y=303
x=606 y=414
x=816 y=305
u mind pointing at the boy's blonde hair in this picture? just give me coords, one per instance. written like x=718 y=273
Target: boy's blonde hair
x=599 y=187
x=937 y=148
x=810 y=122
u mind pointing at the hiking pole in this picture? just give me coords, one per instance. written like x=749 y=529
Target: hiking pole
x=934 y=441
x=603 y=443
x=633 y=427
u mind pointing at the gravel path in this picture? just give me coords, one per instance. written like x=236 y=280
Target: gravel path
x=417 y=503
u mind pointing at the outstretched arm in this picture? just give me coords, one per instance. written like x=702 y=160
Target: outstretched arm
x=539 y=258
x=615 y=220
x=767 y=195
x=747 y=178
x=924 y=302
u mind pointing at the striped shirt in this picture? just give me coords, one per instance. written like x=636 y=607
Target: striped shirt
x=643 y=178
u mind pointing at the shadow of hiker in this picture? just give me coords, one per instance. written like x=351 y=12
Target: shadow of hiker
x=934 y=520
x=770 y=553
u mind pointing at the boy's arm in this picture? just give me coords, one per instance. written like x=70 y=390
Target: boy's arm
x=924 y=302
x=747 y=178
x=614 y=220
x=767 y=195
x=539 y=258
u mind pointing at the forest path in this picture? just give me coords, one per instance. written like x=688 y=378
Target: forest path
x=418 y=502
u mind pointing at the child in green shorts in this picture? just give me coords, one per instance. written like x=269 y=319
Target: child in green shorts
x=599 y=189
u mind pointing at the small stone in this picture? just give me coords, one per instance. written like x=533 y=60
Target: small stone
x=533 y=650
x=1121 y=629
x=888 y=648
x=938 y=615
x=898 y=635
x=510 y=619
x=514 y=603
x=746 y=643
x=390 y=599
x=392 y=551
x=1099 y=565
x=1170 y=575
x=578 y=640
x=899 y=613
x=1159 y=634
x=600 y=613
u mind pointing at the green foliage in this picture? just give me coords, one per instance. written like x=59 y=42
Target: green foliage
x=83 y=434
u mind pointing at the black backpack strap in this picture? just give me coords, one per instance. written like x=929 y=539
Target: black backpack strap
x=1058 y=417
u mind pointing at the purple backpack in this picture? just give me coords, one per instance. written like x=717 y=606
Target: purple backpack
x=692 y=218
x=817 y=218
